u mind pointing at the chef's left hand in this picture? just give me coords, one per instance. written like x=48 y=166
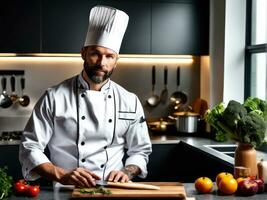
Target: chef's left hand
x=118 y=176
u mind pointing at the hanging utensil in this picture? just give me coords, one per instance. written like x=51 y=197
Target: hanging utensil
x=154 y=99
x=178 y=97
x=5 y=101
x=164 y=93
x=24 y=100
x=13 y=95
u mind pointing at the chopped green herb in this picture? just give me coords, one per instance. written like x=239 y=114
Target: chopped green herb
x=96 y=190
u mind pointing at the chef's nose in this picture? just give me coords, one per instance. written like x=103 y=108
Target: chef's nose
x=102 y=60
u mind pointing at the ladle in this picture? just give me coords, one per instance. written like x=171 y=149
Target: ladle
x=154 y=99
x=5 y=101
x=24 y=100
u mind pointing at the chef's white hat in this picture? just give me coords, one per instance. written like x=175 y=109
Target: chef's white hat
x=107 y=26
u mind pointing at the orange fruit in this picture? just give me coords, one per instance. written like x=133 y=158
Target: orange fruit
x=203 y=185
x=221 y=175
x=228 y=185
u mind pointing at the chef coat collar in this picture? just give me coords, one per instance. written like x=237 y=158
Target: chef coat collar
x=83 y=84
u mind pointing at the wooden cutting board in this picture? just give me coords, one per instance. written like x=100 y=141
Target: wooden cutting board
x=167 y=190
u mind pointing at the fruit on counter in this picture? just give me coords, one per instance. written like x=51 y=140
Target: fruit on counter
x=248 y=187
x=228 y=185
x=240 y=179
x=260 y=183
x=33 y=190
x=21 y=187
x=203 y=185
x=222 y=175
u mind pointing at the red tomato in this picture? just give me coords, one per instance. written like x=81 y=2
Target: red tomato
x=33 y=190
x=20 y=188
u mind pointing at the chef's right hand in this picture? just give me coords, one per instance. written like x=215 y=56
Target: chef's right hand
x=79 y=177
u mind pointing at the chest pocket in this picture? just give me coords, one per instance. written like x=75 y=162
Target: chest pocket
x=128 y=116
x=125 y=119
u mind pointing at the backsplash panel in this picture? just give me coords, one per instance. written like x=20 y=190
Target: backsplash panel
x=44 y=72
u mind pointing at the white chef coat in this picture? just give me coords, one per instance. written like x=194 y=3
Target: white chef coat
x=94 y=136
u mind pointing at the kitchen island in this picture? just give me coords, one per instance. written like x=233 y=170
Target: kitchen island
x=59 y=193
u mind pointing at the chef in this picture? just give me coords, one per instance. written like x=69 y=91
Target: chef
x=88 y=122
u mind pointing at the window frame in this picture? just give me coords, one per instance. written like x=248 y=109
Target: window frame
x=250 y=49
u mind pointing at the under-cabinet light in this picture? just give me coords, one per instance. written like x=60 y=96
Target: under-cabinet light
x=124 y=58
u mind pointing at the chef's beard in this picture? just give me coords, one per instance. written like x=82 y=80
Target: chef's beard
x=91 y=72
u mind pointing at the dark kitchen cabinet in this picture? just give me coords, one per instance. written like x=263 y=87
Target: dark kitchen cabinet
x=182 y=162
x=180 y=27
x=155 y=26
x=20 y=26
x=10 y=159
x=138 y=33
x=65 y=25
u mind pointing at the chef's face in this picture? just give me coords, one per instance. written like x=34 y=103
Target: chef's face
x=99 y=63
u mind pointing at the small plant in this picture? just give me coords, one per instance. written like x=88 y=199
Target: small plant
x=5 y=183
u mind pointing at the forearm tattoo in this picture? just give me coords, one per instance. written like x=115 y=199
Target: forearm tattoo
x=131 y=171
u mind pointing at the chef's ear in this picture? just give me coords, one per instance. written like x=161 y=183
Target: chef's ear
x=83 y=53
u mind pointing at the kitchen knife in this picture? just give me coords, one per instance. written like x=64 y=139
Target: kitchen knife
x=129 y=185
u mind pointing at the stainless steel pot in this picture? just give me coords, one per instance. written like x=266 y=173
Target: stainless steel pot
x=186 y=122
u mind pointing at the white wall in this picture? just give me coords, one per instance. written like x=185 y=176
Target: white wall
x=217 y=39
x=234 y=52
x=227 y=48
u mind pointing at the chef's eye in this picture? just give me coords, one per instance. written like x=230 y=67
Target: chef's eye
x=111 y=56
x=94 y=53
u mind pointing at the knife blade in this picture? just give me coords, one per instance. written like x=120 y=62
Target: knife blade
x=129 y=185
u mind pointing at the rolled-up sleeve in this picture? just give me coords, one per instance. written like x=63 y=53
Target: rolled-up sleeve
x=36 y=136
x=138 y=142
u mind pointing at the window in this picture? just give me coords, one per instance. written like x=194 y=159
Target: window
x=256 y=49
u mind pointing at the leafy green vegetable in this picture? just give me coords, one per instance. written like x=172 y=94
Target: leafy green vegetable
x=213 y=117
x=253 y=129
x=233 y=113
x=256 y=105
x=96 y=190
x=245 y=122
x=5 y=183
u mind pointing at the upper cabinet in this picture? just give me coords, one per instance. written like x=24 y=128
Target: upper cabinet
x=155 y=27
x=137 y=39
x=64 y=25
x=20 y=26
x=180 y=27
